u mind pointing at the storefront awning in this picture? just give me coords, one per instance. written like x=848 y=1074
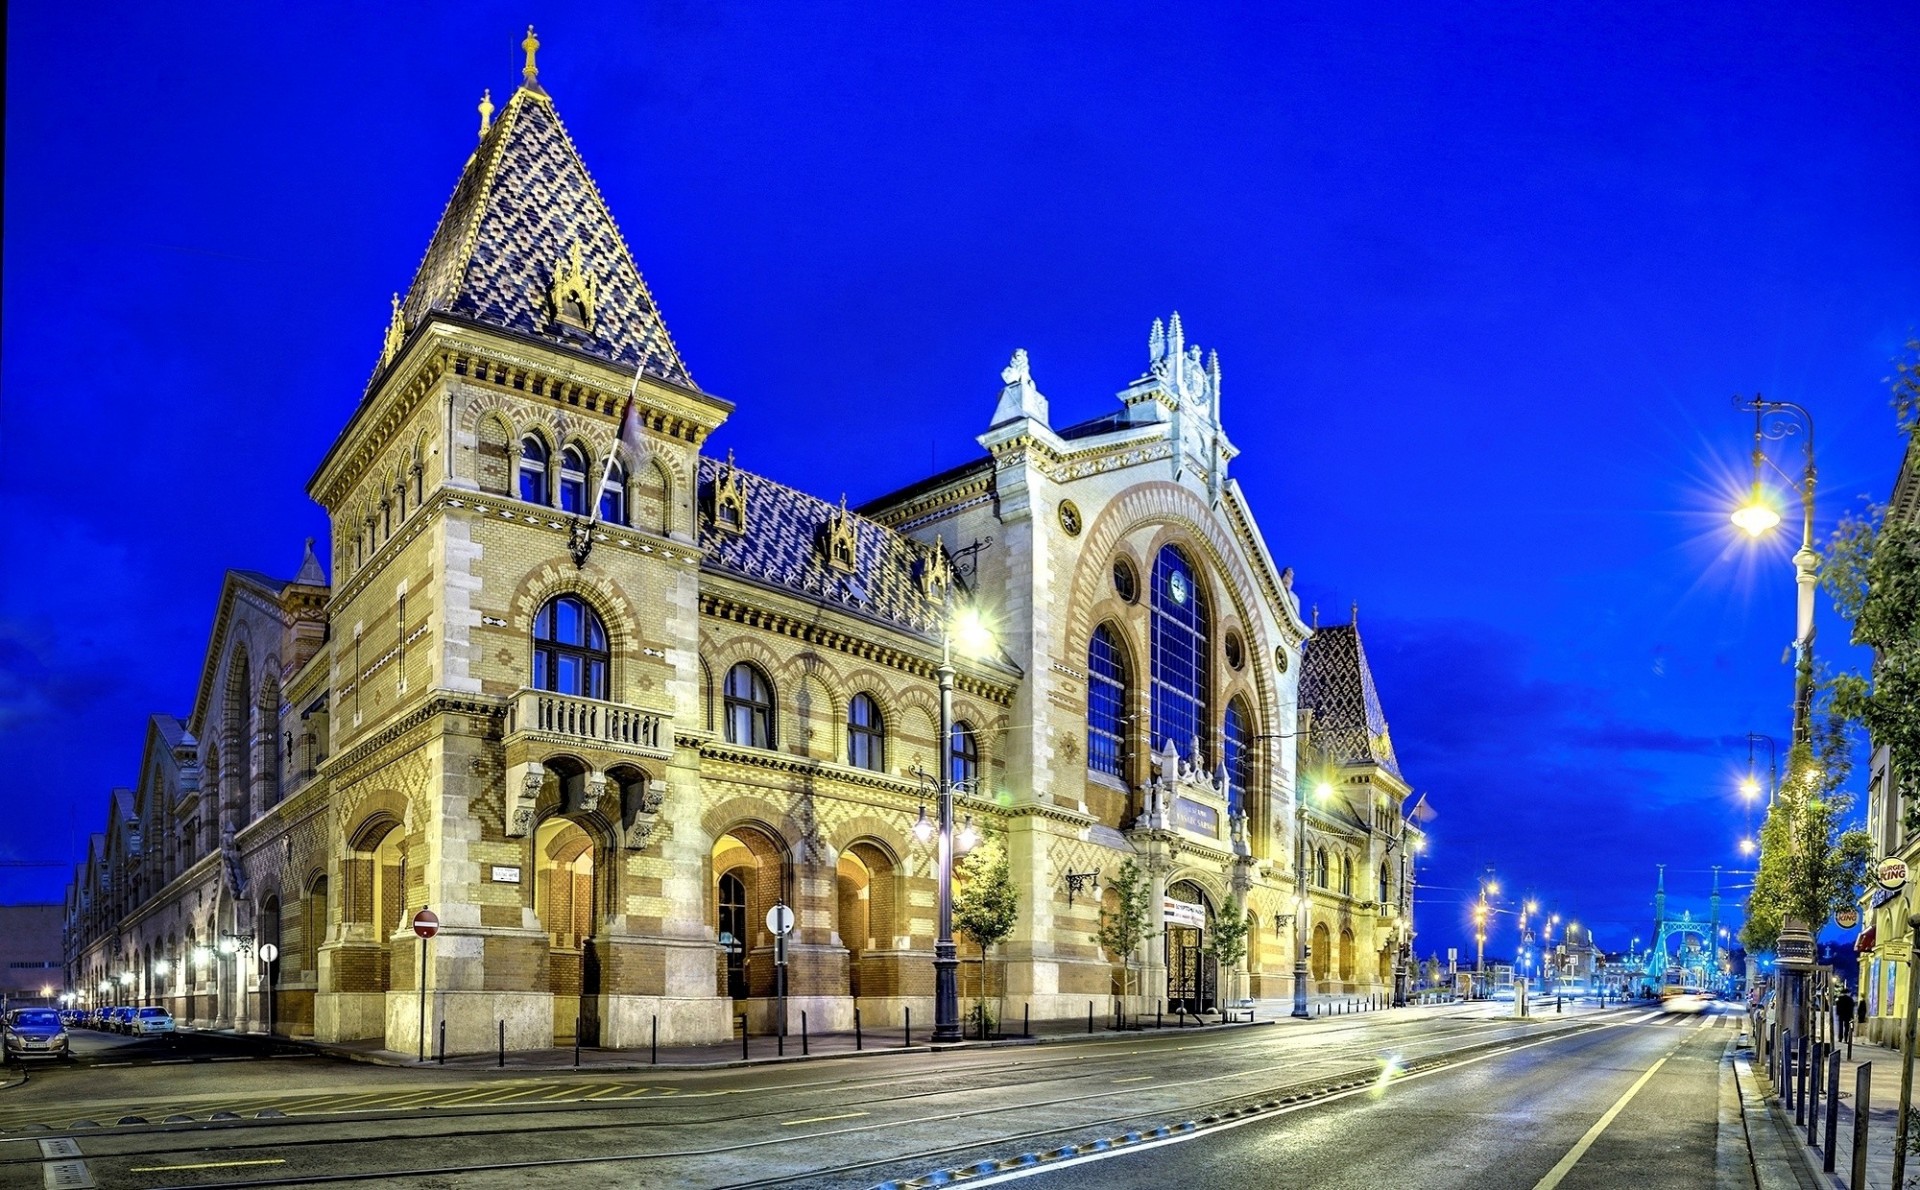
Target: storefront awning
x=1865 y=941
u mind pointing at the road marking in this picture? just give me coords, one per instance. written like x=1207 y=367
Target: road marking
x=1140 y=1079
x=61 y=1146
x=207 y=1165
x=1580 y=1147
x=622 y=1090
x=845 y=1115
x=66 y=1175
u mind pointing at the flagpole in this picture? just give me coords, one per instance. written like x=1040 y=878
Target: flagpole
x=613 y=452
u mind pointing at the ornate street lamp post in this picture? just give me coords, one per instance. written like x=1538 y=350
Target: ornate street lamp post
x=1321 y=792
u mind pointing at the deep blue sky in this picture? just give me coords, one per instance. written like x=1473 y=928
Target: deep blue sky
x=1483 y=283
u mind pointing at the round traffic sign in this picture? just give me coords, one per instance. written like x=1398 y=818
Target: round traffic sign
x=269 y=952
x=780 y=919
x=1891 y=872
x=426 y=923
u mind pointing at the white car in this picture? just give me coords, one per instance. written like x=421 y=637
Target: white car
x=150 y=1020
x=1685 y=1001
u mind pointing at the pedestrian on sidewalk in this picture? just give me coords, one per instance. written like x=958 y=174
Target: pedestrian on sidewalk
x=1843 y=1013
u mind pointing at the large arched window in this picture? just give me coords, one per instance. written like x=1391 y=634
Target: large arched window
x=533 y=470
x=749 y=702
x=1385 y=884
x=573 y=480
x=866 y=734
x=1320 y=867
x=1106 y=703
x=570 y=648
x=1180 y=656
x=963 y=754
x=613 y=495
x=1236 y=752
x=1346 y=875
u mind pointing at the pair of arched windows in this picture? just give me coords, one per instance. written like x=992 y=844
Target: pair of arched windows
x=542 y=478
x=748 y=719
x=1323 y=872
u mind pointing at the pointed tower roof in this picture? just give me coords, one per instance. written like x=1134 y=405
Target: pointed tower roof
x=1337 y=683
x=526 y=244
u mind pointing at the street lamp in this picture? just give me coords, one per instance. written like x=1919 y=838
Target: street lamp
x=1322 y=793
x=1756 y=518
x=965 y=628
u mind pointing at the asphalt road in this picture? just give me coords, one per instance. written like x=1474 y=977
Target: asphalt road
x=1473 y=1099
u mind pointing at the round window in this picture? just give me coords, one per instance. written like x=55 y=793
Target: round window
x=1280 y=658
x=1236 y=655
x=1070 y=518
x=1125 y=583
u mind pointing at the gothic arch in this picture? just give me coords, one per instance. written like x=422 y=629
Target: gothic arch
x=616 y=614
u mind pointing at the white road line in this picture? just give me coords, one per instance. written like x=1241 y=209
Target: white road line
x=1566 y=1164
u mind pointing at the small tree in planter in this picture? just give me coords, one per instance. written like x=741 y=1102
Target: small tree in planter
x=1227 y=941
x=986 y=909
x=1124 y=927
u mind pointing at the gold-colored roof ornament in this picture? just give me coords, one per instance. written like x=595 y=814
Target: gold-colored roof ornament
x=729 y=499
x=396 y=334
x=532 y=45
x=574 y=291
x=486 y=112
x=839 y=542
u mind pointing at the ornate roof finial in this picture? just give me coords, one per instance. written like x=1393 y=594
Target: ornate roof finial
x=1353 y=616
x=486 y=111
x=396 y=334
x=532 y=45
x=1316 y=615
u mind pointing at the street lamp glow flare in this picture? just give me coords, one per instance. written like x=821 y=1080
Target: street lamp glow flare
x=1756 y=516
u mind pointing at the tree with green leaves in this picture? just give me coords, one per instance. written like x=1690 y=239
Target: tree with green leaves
x=1810 y=868
x=1126 y=925
x=987 y=907
x=1227 y=938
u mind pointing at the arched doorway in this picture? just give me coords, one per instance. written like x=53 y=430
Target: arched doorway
x=1322 y=953
x=1346 y=959
x=865 y=898
x=1192 y=975
x=750 y=875
x=566 y=902
x=268 y=932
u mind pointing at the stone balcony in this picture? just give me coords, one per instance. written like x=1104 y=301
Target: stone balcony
x=544 y=716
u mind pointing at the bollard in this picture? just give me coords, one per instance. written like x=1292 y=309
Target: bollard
x=1800 y=1073
x=1158 y=1022
x=503 y=1044
x=443 y=1043
x=857 y=1046
x=803 y=1033
x=780 y=1038
x=1815 y=1067
x=906 y=1038
x=1862 y=1085
x=1557 y=1003
x=653 y=1048
x=576 y=1041
x=743 y=1037
x=1786 y=1072
x=1026 y=1020
x=1089 y=1005
x=1833 y=1108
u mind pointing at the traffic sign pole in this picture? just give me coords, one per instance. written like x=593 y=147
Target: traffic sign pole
x=426 y=925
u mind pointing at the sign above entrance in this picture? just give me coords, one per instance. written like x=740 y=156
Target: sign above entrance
x=426 y=923
x=780 y=919
x=1890 y=873
x=1183 y=913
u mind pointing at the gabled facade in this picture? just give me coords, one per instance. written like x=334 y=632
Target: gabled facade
x=600 y=699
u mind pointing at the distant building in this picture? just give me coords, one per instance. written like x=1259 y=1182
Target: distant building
x=31 y=954
x=601 y=700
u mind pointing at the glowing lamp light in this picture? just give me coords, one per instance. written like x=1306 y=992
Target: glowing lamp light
x=968 y=836
x=970 y=634
x=201 y=954
x=1323 y=791
x=126 y=978
x=1750 y=786
x=1756 y=516
x=923 y=830
x=1748 y=847
x=161 y=966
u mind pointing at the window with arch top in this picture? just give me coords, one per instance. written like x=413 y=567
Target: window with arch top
x=570 y=654
x=749 y=707
x=866 y=734
x=1320 y=867
x=573 y=480
x=963 y=754
x=1181 y=669
x=533 y=470
x=1236 y=752
x=1106 y=703
x=1346 y=875
x=1385 y=883
x=613 y=495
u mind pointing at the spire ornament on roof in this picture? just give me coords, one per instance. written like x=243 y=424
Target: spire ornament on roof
x=396 y=334
x=486 y=111
x=531 y=73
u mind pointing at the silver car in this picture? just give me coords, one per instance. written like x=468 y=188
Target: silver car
x=149 y=1020
x=35 y=1033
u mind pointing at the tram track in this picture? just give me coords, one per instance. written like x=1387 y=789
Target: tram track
x=1350 y=1070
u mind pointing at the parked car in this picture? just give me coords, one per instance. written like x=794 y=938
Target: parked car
x=71 y=1017
x=149 y=1020
x=34 y=1033
x=118 y=1018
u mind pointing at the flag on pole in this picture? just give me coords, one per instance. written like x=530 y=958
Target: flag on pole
x=630 y=437
x=1422 y=812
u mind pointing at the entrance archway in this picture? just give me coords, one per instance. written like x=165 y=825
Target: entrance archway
x=749 y=876
x=865 y=898
x=1192 y=975
x=565 y=899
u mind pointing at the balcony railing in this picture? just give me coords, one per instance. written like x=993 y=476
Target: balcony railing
x=590 y=721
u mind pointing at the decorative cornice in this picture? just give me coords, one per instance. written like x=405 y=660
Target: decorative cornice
x=346 y=766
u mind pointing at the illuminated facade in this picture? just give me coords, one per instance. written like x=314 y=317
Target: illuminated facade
x=600 y=699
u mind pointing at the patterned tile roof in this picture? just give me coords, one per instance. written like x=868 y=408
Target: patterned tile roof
x=781 y=548
x=522 y=205
x=1336 y=682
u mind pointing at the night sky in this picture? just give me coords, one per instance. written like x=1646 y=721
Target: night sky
x=1483 y=285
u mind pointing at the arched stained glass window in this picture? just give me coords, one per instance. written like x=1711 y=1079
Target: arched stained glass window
x=1180 y=657
x=1236 y=752
x=749 y=702
x=570 y=648
x=866 y=734
x=1106 y=703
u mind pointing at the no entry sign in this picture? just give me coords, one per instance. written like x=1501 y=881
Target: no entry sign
x=426 y=923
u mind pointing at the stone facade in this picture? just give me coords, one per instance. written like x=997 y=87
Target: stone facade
x=600 y=700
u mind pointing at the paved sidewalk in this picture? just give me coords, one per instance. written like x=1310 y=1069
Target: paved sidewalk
x=1883 y=1100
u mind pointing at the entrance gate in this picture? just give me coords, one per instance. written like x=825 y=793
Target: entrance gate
x=1192 y=975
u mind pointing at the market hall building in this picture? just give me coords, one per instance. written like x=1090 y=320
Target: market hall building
x=601 y=699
